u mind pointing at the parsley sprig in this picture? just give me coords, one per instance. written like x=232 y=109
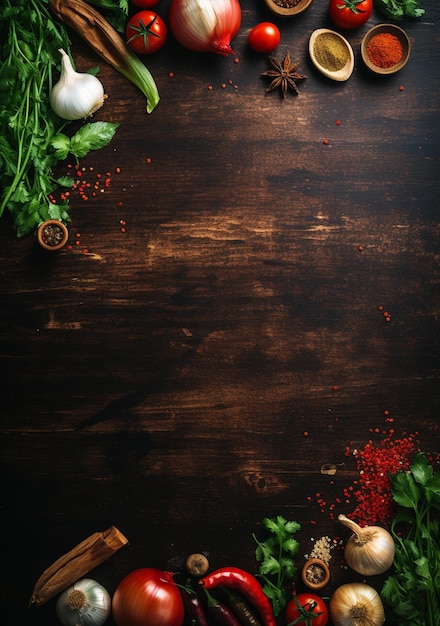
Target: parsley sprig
x=412 y=592
x=399 y=9
x=276 y=556
x=31 y=138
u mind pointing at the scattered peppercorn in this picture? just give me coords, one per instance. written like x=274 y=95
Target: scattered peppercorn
x=286 y=4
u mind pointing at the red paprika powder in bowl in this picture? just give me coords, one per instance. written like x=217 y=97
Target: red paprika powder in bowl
x=385 y=49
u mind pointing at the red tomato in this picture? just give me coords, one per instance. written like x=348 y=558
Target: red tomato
x=264 y=37
x=148 y=597
x=353 y=13
x=309 y=604
x=146 y=32
x=144 y=4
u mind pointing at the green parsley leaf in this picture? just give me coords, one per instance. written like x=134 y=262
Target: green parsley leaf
x=421 y=470
x=411 y=595
x=91 y=136
x=399 y=9
x=61 y=143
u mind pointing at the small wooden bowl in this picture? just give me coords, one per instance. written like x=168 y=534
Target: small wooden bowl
x=52 y=235
x=300 y=7
x=345 y=72
x=393 y=30
x=321 y=567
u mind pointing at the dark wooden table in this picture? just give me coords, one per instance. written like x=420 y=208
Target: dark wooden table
x=188 y=377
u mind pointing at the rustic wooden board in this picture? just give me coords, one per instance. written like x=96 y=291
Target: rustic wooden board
x=162 y=379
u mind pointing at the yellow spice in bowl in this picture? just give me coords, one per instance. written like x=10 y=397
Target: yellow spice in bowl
x=330 y=52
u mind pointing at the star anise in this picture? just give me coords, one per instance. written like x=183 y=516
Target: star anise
x=283 y=75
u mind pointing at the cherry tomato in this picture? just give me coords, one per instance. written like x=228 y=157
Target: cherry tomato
x=264 y=37
x=144 y=4
x=146 y=32
x=349 y=14
x=148 y=596
x=309 y=606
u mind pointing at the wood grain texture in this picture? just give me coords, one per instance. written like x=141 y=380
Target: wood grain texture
x=162 y=381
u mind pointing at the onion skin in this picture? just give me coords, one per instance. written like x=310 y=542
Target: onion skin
x=205 y=25
x=148 y=597
x=370 y=550
x=356 y=604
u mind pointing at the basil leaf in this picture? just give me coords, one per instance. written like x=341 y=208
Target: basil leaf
x=92 y=136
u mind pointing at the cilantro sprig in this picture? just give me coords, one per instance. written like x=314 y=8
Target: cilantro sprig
x=276 y=556
x=399 y=9
x=412 y=592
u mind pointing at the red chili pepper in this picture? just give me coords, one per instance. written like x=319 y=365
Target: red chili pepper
x=247 y=584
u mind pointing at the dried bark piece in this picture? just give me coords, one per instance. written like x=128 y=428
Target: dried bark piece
x=76 y=563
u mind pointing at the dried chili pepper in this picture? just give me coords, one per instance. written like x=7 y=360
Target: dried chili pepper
x=194 y=609
x=242 y=609
x=247 y=584
x=220 y=612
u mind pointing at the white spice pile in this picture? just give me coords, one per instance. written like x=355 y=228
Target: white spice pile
x=322 y=550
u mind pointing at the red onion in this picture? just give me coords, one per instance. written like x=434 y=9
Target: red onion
x=205 y=25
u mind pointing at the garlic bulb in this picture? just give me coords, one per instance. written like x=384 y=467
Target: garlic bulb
x=85 y=603
x=356 y=604
x=370 y=550
x=75 y=96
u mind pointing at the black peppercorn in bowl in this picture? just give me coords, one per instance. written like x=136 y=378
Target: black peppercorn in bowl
x=385 y=49
x=52 y=235
x=288 y=8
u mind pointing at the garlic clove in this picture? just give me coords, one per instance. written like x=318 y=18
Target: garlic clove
x=76 y=95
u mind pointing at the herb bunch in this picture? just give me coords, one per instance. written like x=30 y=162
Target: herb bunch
x=29 y=59
x=399 y=9
x=276 y=556
x=412 y=592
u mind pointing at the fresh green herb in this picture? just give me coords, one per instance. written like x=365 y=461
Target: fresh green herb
x=412 y=592
x=92 y=136
x=115 y=12
x=29 y=42
x=276 y=556
x=399 y=9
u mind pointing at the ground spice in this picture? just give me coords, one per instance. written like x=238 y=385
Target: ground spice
x=330 y=52
x=384 y=50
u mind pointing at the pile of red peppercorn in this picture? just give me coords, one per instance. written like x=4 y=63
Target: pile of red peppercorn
x=375 y=463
